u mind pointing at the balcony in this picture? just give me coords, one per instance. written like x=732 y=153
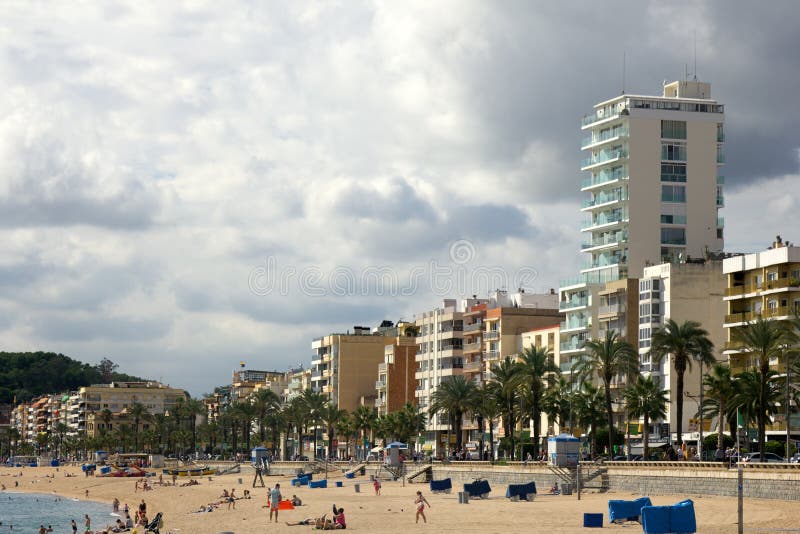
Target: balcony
x=603 y=177
x=492 y=354
x=491 y=335
x=673 y=241
x=381 y=367
x=573 y=344
x=603 y=198
x=603 y=157
x=379 y=403
x=602 y=220
x=579 y=302
x=473 y=347
x=566 y=367
x=720 y=222
x=474 y=327
x=600 y=115
x=612 y=309
x=608 y=239
x=766 y=313
x=604 y=261
x=473 y=366
x=606 y=136
x=380 y=384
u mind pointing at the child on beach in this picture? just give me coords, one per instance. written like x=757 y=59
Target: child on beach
x=420 y=503
x=377 y=486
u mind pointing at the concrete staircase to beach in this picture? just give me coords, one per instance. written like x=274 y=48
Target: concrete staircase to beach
x=591 y=476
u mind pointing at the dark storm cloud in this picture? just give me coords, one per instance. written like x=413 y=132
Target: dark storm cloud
x=394 y=202
x=71 y=328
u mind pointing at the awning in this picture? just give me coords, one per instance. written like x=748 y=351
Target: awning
x=376 y=449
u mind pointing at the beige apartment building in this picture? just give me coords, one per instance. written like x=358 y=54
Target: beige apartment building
x=763 y=284
x=545 y=337
x=681 y=292
x=344 y=366
x=157 y=398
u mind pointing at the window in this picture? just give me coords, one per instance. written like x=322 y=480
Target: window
x=673 y=193
x=673 y=219
x=673 y=129
x=673 y=152
x=673 y=172
x=673 y=236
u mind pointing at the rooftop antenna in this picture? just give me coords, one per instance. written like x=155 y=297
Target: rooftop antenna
x=623 y=72
x=694 y=74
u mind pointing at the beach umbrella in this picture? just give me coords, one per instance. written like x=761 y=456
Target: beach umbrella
x=397 y=445
x=376 y=449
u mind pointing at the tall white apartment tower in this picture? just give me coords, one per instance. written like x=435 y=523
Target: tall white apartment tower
x=653 y=195
x=654 y=186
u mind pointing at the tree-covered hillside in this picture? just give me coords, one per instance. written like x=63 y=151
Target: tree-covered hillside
x=25 y=375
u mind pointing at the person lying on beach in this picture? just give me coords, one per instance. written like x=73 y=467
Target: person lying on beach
x=192 y=482
x=309 y=521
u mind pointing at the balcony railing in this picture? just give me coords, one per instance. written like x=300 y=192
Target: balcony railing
x=602 y=219
x=603 y=261
x=380 y=384
x=473 y=366
x=603 y=198
x=473 y=347
x=381 y=367
x=572 y=345
x=766 y=313
x=575 y=323
x=611 y=309
x=491 y=335
x=610 y=134
x=603 y=177
x=604 y=156
x=474 y=327
x=612 y=238
x=573 y=303
x=596 y=116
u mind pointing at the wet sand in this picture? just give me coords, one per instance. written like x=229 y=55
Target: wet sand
x=391 y=512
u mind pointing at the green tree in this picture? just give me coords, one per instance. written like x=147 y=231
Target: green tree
x=685 y=343
x=762 y=340
x=607 y=358
x=588 y=410
x=455 y=396
x=138 y=412
x=194 y=408
x=556 y=401
x=720 y=393
x=314 y=403
x=759 y=395
x=330 y=417
x=364 y=420
x=505 y=388
x=645 y=399
x=487 y=410
x=266 y=402
x=538 y=371
x=410 y=422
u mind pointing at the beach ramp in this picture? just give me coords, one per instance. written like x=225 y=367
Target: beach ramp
x=620 y=511
x=352 y=472
x=676 y=519
x=426 y=470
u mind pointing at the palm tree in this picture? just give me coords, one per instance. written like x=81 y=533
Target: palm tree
x=758 y=397
x=364 y=421
x=314 y=403
x=455 y=396
x=410 y=422
x=608 y=358
x=194 y=408
x=764 y=340
x=505 y=388
x=60 y=429
x=267 y=402
x=294 y=413
x=556 y=401
x=538 y=371
x=106 y=417
x=646 y=400
x=487 y=409
x=138 y=412
x=588 y=411
x=685 y=343
x=720 y=393
x=346 y=428
x=330 y=417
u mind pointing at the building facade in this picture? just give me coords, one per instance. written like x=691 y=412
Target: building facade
x=396 y=384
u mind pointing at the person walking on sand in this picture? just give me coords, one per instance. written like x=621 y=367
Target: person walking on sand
x=274 y=501
x=377 y=486
x=420 y=503
x=88 y=523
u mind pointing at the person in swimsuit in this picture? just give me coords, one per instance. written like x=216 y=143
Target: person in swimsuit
x=420 y=503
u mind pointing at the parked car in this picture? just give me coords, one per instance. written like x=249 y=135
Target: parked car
x=755 y=457
x=795 y=459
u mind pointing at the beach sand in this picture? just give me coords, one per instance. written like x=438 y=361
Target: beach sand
x=391 y=512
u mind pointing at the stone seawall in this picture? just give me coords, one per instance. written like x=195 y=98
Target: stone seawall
x=765 y=482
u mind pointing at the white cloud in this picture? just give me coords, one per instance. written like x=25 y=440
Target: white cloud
x=153 y=155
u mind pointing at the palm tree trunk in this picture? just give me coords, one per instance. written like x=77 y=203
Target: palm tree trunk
x=610 y=413
x=762 y=412
x=491 y=440
x=721 y=425
x=645 y=437
x=679 y=406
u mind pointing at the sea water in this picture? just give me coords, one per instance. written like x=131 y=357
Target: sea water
x=27 y=511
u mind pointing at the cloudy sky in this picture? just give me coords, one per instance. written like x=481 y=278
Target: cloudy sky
x=184 y=185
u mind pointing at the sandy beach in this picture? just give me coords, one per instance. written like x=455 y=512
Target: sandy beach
x=390 y=512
